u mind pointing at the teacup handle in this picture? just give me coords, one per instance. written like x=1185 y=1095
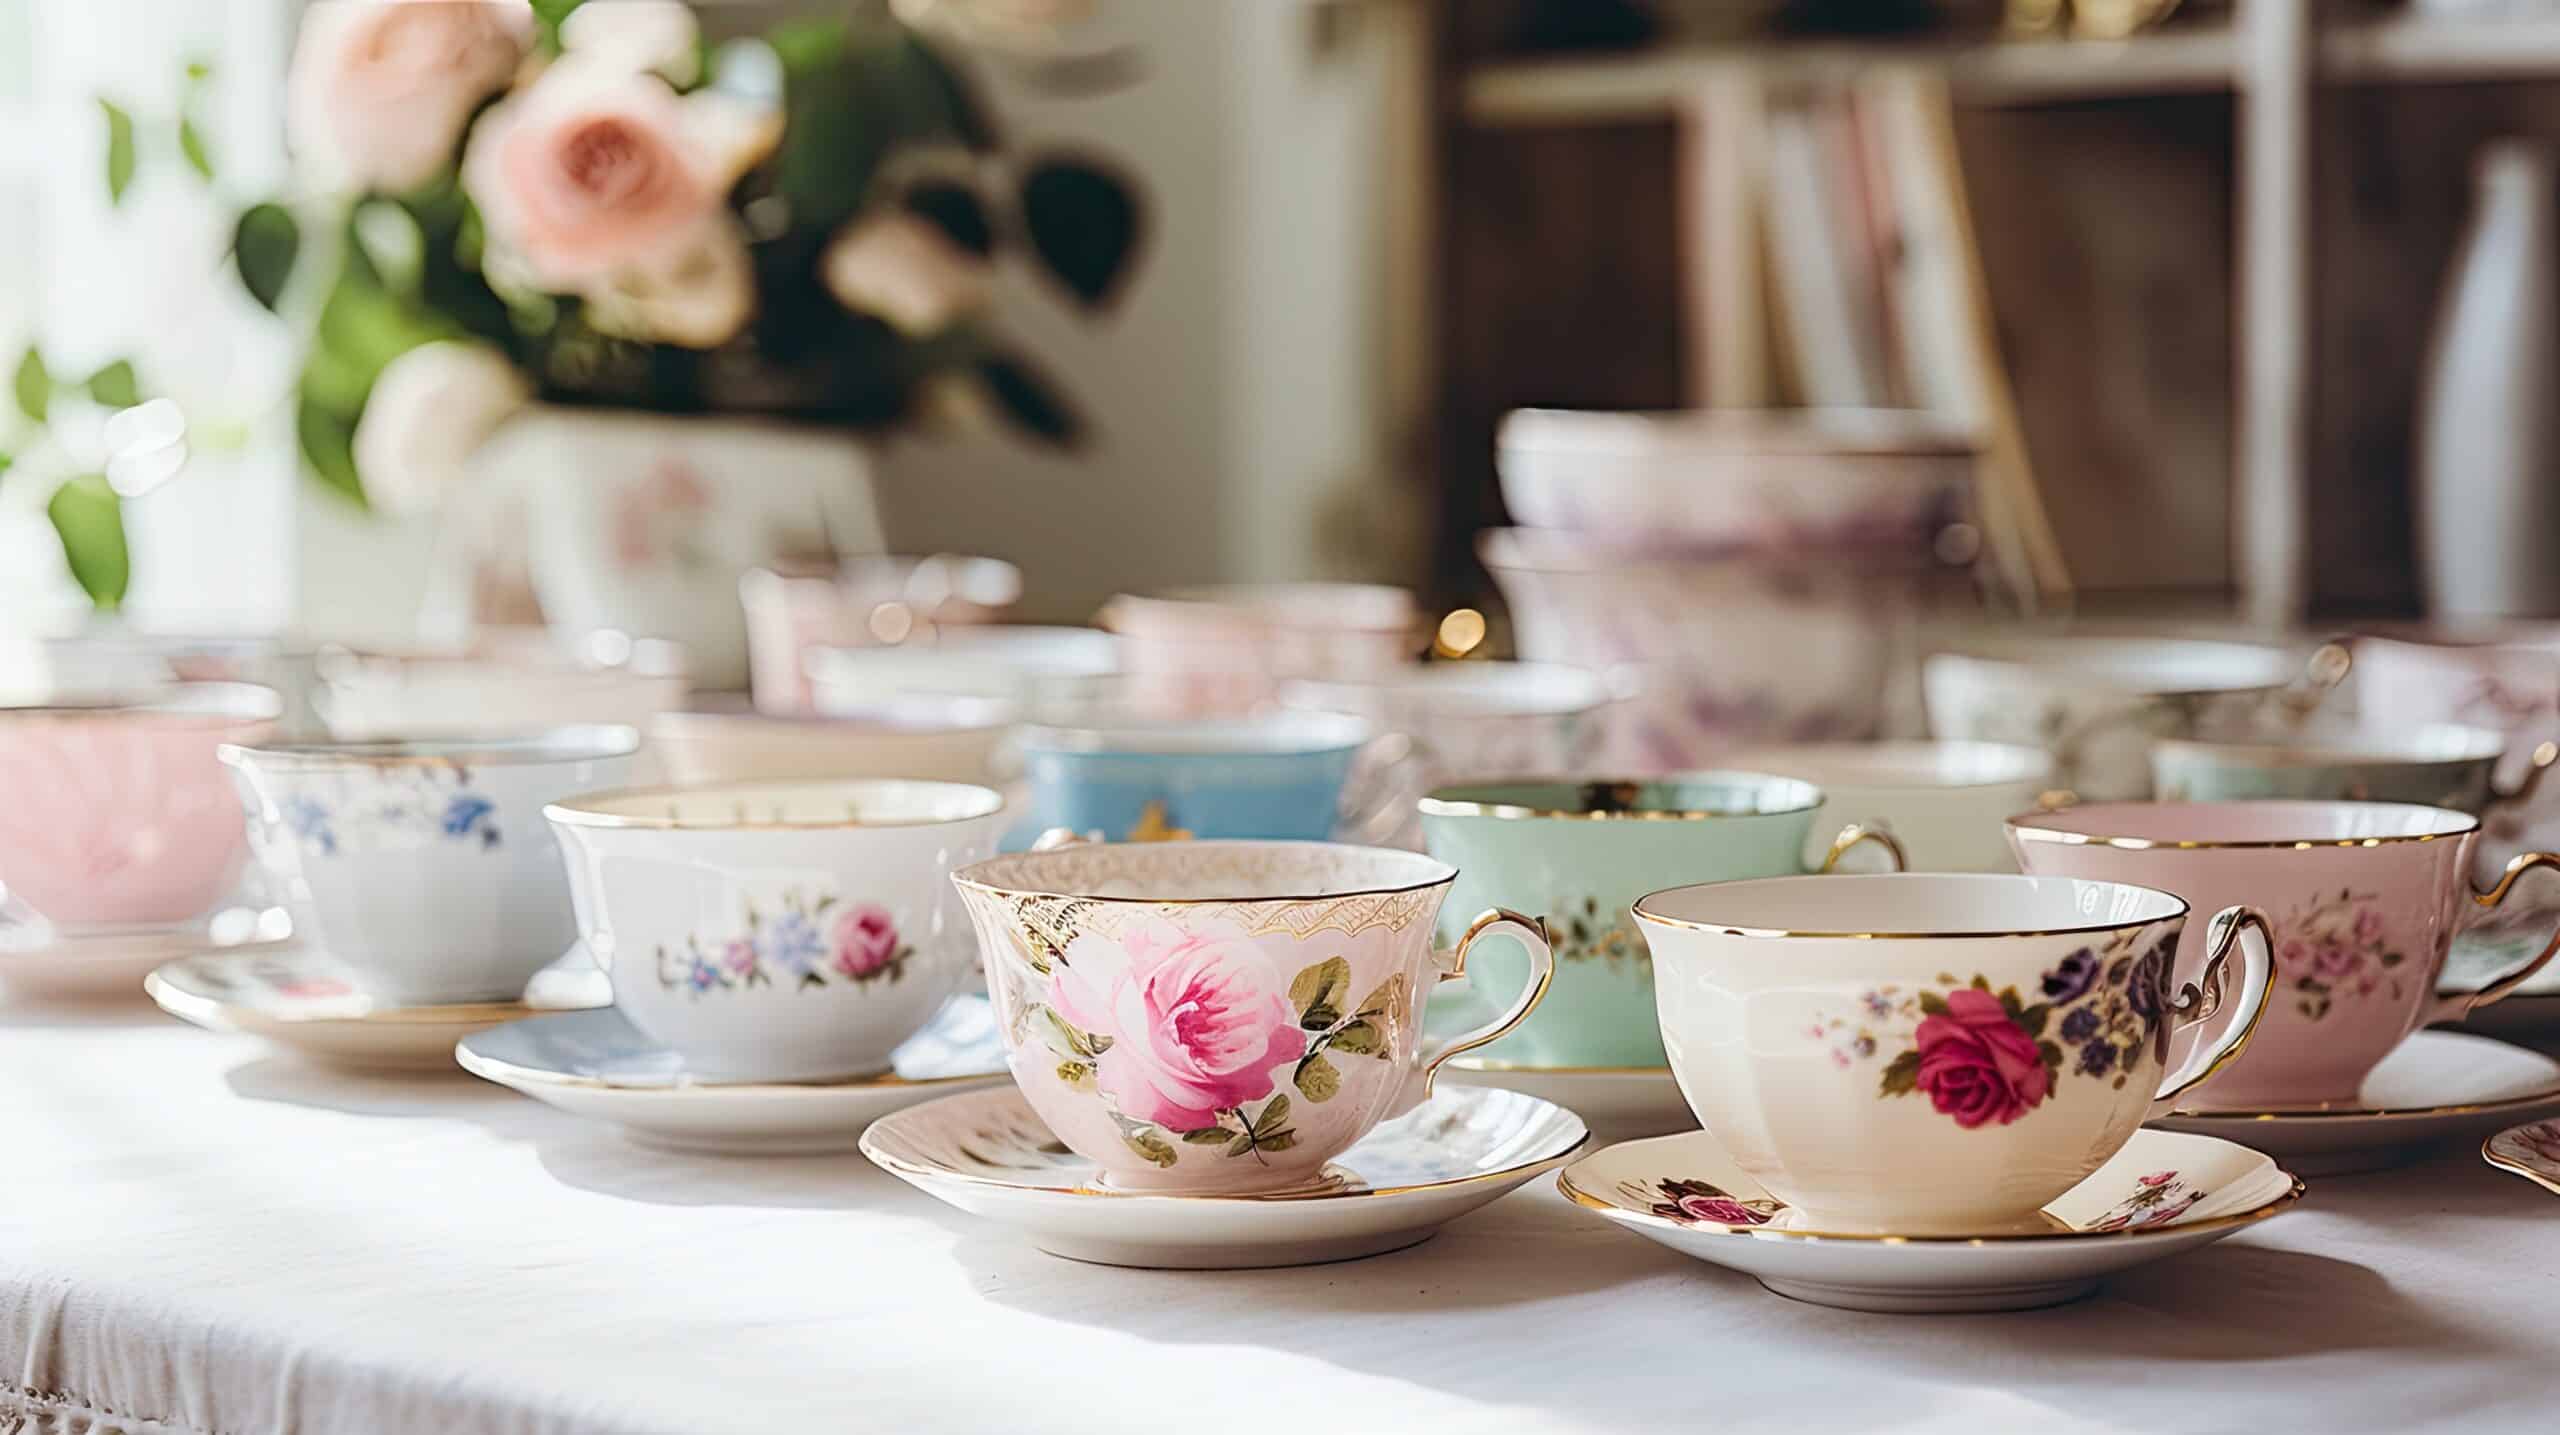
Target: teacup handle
x=2535 y=766
x=1532 y=934
x=2247 y=929
x=2462 y=1004
x=1857 y=833
x=2326 y=668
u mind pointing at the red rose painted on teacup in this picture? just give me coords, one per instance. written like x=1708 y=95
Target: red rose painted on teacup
x=1221 y=1016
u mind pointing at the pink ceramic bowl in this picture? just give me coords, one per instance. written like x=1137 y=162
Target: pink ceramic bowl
x=2365 y=898
x=118 y=813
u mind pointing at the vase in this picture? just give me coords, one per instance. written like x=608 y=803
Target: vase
x=2488 y=510
x=643 y=524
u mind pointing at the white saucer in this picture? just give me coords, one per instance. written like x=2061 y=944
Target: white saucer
x=1620 y=1100
x=99 y=963
x=2109 y=1222
x=2485 y=953
x=313 y=1006
x=2439 y=1086
x=2531 y=1151
x=596 y=1064
x=989 y=1155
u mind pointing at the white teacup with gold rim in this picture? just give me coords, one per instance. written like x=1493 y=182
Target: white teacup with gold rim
x=1934 y=1053
x=1223 y=1017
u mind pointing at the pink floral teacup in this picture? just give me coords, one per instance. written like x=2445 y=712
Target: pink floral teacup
x=2365 y=898
x=1223 y=1016
x=777 y=931
x=1935 y=1053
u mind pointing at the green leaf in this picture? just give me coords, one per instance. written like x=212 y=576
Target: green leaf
x=1084 y=224
x=1274 y=1115
x=1981 y=983
x=2032 y=1020
x=5 y=463
x=2052 y=1055
x=1318 y=1079
x=1239 y=1146
x=548 y=15
x=328 y=445
x=1280 y=1141
x=1320 y=988
x=119 y=150
x=1029 y=401
x=115 y=385
x=1207 y=1136
x=1153 y=1148
x=33 y=386
x=1901 y=1075
x=263 y=247
x=956 y=210
x=1362 y=1038
x=199 y=70
x=968 y=117
x=191 y=144
x=1932 y=1004
x=2392 y=959
x=90 y=523
x=1064 y=1039
x=1384 y=999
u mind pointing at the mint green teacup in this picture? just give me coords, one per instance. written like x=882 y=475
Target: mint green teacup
x=1582 y=853
x=2436 y=766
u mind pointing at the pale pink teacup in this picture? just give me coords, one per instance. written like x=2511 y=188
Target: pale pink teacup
x=2365 y=898
x=117 y=811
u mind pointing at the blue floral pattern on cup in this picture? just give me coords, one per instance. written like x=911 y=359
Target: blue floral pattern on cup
x=395 y=811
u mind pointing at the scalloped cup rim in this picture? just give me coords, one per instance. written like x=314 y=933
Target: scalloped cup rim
x=991 y=875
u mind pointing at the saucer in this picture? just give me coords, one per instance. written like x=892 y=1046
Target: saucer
x=2487 y=952
x=2162 y=1194
x=596 y=1064
x=987 y=1154
x=2531 y=1151
x=101 y=963
x=2439 y=1086
x=1625 y=1100
x=315 y=1007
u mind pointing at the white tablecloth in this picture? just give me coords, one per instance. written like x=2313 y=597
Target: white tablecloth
x=197 y=1236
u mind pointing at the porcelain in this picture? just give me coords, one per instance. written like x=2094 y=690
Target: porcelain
x=102 y=654
x=1468 y=722
x=313 y=1006
x=1936 y=1053
x=597 y=1065
x=857 y=603
x=2098 y=703
x=1582 y=852
x=2160 y=1195
x=426 y=865
x=2440 y=765
x=1615 y=1100
x=2531 y=1151
x=1944 y=801
x=1224 y=1016
x=778 y=931
x=373 y=697
x=2438 y=1086
x=117 y=812
x=2480 y=956
x=990 y=1154
x=2365 y=898
x=1280 y=775
x=2502 y=677
x=1227 y=648
x=939 y=739
x=1715 y=652
x=107 y=964
x=1044 y=673
x=1878 y=480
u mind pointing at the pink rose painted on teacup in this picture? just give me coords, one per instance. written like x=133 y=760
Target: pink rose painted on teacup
x=1977 y=1064
x=1198 y=1021
x=866 y=940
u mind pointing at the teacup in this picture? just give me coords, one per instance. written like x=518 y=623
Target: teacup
x=1936 y=1053
x=942 y=739
x=2442 y=765
x=495 y=692
x=114 y=810
x=778 y=931
x=1225 y=648
x=1045 y=673
x=1945 y=801
x=855 y=603
x=1586 y=851
x=2365 y=899
x=426 y=865
x=1280 y=776
x=2505 y=678
x=1223 y=1016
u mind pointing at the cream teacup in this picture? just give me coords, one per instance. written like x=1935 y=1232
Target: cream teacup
x=1944 y=801
x=2365 y=898
x=1935 y=1054
x=777 y=931
x=1223 y=1016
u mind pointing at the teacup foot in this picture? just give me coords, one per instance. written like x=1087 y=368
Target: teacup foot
x=1906 y=1301
x=1150 y=1255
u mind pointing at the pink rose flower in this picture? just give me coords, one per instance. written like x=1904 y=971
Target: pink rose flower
x=2159 y=1178
x=2333 y=960
x=379 y=92
x=1198 y=1019
x=2294 y=954
x=739 y=956
x=1977 y=1065
x=589 y=172
x=2368 y=926
x=1723 y=1210
x=866 y=939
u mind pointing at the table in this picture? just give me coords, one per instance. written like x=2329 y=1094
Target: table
x=202 y=1238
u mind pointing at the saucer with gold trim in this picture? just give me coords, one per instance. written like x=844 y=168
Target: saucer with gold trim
x=2162 y=1194
x=318 y=1008
x=989 y=1154
x=2436 y=1087
x=1614 y=1100
x=2531 y=1151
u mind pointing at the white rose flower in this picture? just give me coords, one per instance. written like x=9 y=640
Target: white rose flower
x=429 y=411
x=379 y=92
x=656 y=36
x=906 y=270
x=699 y=297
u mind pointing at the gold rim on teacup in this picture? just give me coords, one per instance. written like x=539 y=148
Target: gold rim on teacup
x=1444 y=872
x=1318 y=1192
x=2178 y=909
x=1614 y=799
x=576 y=742
x=591 y=809
x=2028 y=827
x=1580 y=1197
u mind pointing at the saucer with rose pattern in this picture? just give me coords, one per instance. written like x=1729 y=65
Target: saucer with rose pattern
x=2162 y=1194
x=2438 y=1086
x=989 y=1154
x=316 y=1007
x=596 y=1064
x=2531 y=1151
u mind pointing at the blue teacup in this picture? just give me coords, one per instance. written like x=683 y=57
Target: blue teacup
x=1280 y=775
